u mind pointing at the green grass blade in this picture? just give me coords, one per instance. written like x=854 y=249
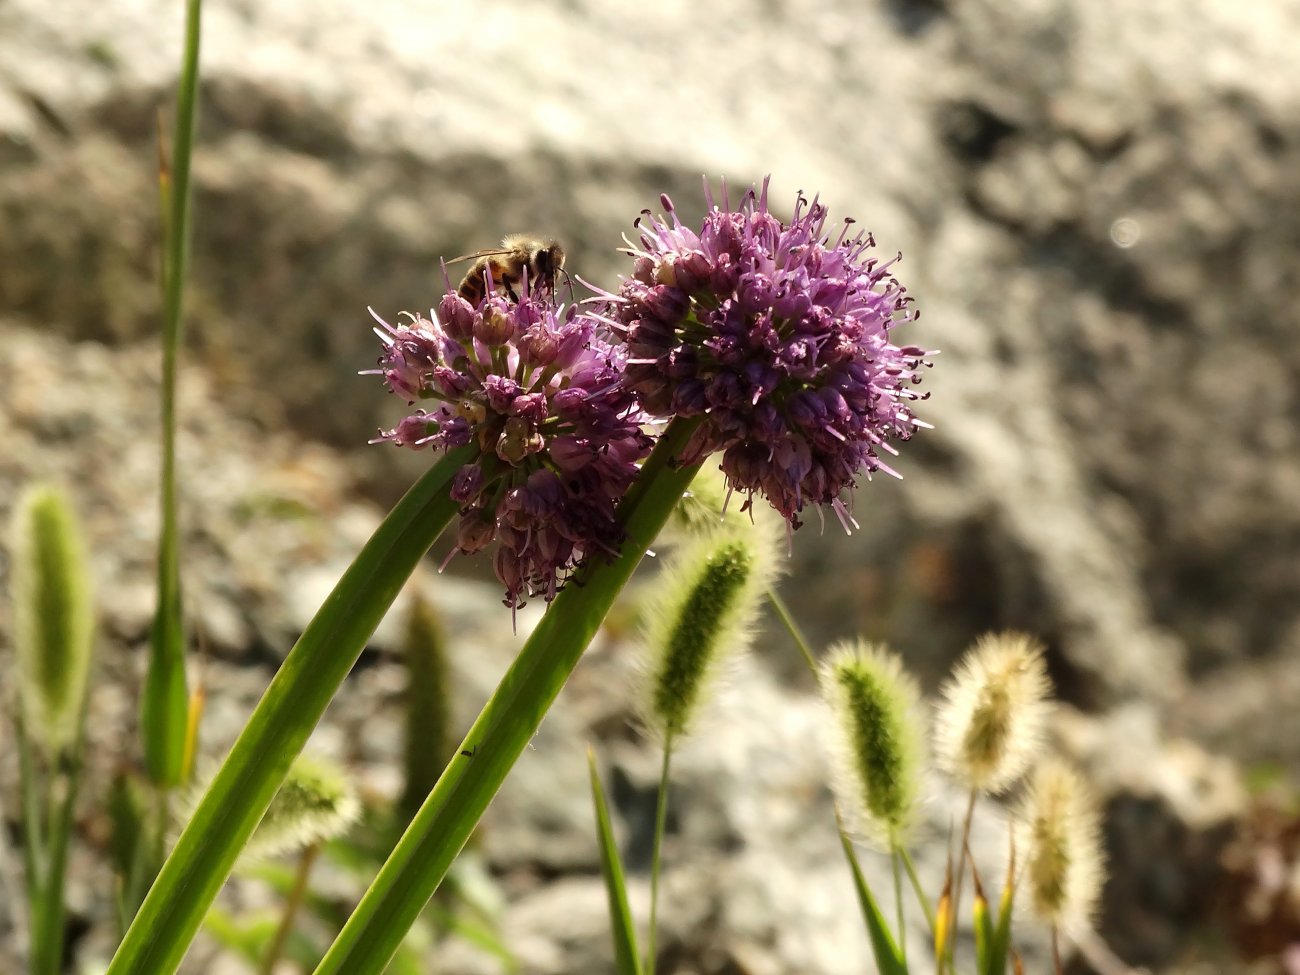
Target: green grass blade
x=506 y=725
x=995 y=960
x=279 y=727
x=983 y=927
x=163 y=706
x=627 y=958
x=50 y=913
x=889 y=959
x=127 y=806
x=33 y=817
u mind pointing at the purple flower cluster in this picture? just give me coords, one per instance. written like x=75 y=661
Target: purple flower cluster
x=779 y=337
x=541 y=394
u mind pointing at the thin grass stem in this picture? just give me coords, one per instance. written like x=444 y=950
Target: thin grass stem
x=661 y=824
x=922 y=898
x=961 y=866
x=787 y=620
x=164 y=700
x=296 y=895
x=898 y=899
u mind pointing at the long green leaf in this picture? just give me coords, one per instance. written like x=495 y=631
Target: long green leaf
x=506 y=725
x=995 y=960
x=279 y=727
x=164 y=702
x=889 y=959
x=983 y=925
x=627 y=957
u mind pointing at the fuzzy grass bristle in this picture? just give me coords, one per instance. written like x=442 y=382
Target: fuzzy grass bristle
x=1059 y=830
x=54 y=625
x=316 y=803
x=990 y=725
x=877 y=739
x=702 y=615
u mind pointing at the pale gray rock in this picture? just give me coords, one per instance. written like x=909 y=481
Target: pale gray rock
x=1097 y=203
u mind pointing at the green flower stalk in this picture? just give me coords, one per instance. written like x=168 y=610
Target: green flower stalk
x=506 y=724
x=259 y=760
x=53 y=619
x=877 y=741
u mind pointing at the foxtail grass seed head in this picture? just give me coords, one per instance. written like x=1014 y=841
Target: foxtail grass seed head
x=877 y=739
x=53 y=616
x=428 y=704
x=317 y=802
x=1058 y=832
x=701 y=615
x=990 y=725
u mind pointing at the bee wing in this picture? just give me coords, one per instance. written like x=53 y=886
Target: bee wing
x=477 y=254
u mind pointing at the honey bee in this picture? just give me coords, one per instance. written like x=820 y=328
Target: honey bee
x=542 y=259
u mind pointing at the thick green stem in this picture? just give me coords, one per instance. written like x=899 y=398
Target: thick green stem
x=506 y=725
x=279 y=727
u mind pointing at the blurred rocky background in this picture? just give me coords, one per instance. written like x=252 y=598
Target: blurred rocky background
x=1098 y=205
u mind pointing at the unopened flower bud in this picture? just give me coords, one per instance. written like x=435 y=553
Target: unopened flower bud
x=493 y=325
x=467 y=483
x=475 y=531
x=457 y=317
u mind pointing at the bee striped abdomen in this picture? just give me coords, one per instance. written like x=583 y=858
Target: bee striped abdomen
x=519 y=253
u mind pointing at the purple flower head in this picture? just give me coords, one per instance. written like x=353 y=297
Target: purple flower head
x=778 y=335
x=540 y=392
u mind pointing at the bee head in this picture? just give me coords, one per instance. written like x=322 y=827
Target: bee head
x=548 y=259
